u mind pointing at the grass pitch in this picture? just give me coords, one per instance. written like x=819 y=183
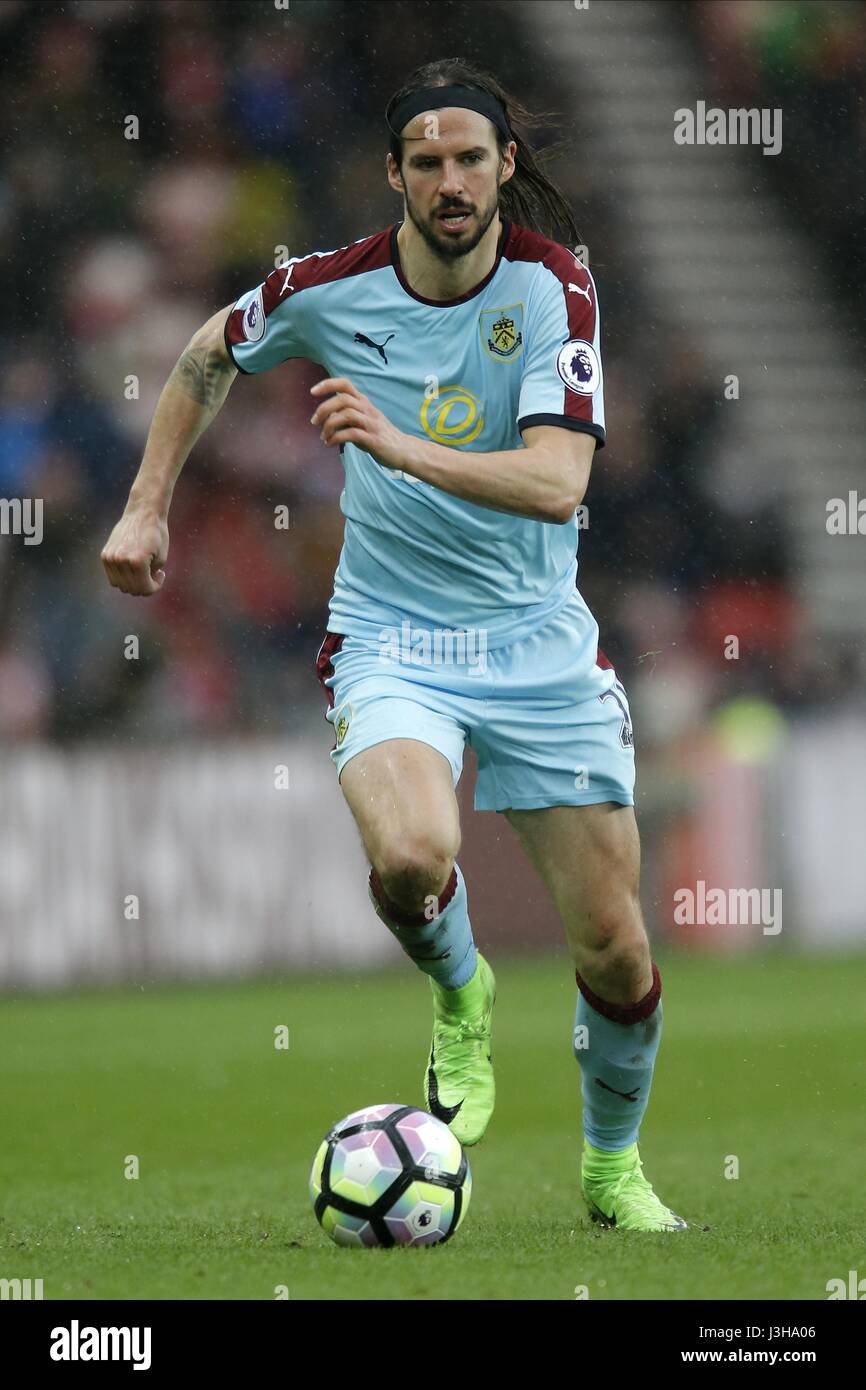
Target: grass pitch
x=761 y=1061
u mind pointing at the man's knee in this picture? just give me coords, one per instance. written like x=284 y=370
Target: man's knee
x=414 y=870
x=614 y=956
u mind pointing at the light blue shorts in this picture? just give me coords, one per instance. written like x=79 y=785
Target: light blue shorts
x=546 y=716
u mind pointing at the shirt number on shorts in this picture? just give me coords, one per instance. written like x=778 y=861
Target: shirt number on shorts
x=626 y=732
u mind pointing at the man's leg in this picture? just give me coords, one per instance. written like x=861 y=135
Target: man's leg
x=589 y=859
x=401 y=794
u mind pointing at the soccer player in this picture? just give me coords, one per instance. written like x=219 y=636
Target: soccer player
x=464 y=390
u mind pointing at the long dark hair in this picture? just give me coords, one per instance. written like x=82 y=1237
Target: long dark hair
x=529 y=197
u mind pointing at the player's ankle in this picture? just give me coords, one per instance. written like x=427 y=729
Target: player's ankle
x=608 y=1159
x=456 y=997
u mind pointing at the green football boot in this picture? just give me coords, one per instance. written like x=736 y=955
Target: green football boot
x=617 y=1193
x=458 y=1084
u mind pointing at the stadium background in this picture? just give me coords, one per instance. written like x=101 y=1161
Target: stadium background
x=142 y=832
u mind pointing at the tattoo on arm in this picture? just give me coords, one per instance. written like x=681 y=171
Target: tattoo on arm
x=204 y=374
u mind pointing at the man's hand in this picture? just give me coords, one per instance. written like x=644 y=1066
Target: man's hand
x=136 y=551
x=348 y=417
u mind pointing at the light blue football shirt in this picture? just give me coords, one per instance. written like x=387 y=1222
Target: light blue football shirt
x=522 y=348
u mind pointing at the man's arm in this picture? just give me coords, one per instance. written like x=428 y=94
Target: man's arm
x=137 y=549
x=546 y=480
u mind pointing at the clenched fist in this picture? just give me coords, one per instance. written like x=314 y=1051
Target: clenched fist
x=136 y=551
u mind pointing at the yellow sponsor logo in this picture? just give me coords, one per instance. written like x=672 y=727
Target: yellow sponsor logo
x=453 y=416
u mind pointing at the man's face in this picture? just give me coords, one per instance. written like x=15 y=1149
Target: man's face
x=451 y=165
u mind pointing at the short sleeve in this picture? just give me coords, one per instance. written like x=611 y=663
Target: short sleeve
x=266 y=325
x=563 y=381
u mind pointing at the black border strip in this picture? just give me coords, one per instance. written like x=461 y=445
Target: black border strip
x=565 y=422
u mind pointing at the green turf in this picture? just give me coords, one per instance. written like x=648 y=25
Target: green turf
x=761 y=1059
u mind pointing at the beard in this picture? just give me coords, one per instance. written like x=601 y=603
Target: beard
x=447 y=246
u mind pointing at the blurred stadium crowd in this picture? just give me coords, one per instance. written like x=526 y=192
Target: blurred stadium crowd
x=260 y=128
x=810 y=60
